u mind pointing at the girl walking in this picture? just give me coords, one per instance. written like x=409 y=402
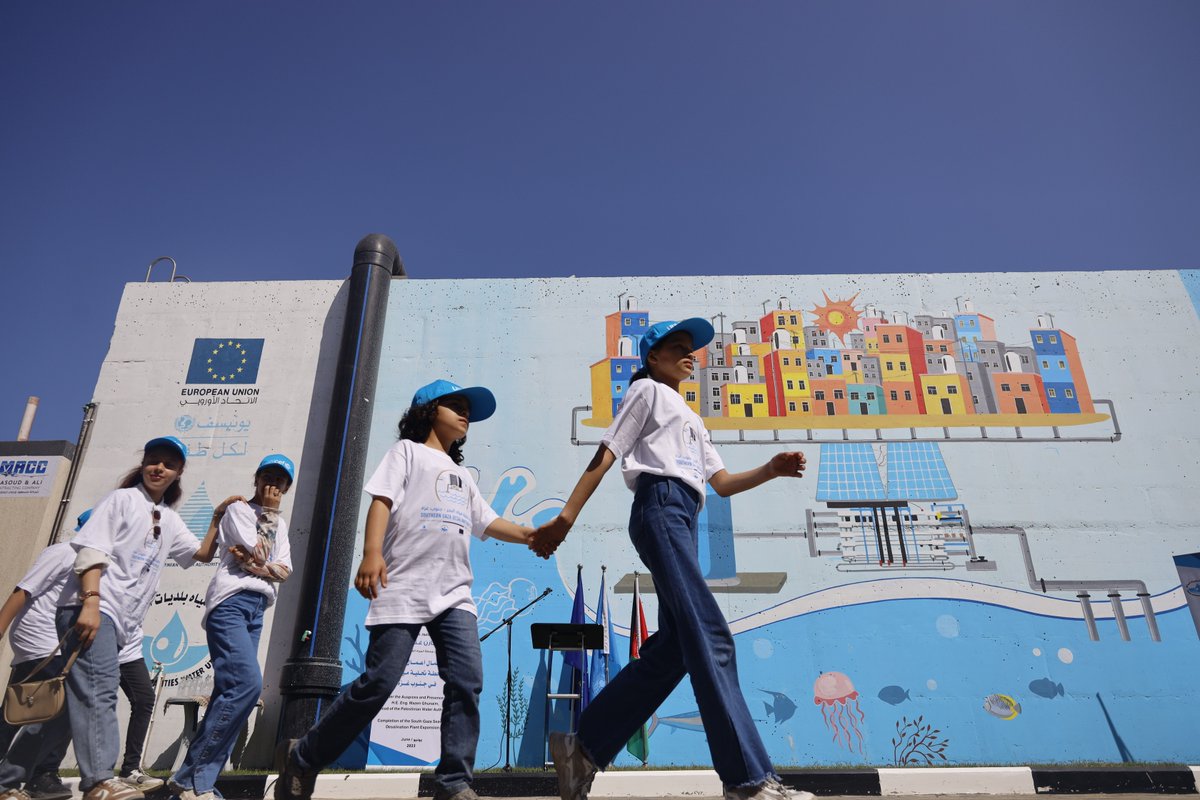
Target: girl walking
x=666 y=459
x=416 y=572
x=119 y=555
x=256 y=558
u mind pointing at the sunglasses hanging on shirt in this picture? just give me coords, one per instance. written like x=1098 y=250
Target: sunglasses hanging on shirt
x=156 y=530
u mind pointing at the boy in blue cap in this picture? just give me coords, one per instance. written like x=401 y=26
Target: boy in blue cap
x=255 y=558
x=416 y=572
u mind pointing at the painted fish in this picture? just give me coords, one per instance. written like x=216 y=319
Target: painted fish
x=893 y=695
x=688 y=722
x=1002 y=706
x=1044 y=687
x=783 y=708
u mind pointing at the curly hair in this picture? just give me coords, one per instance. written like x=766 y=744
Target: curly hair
x=417 y=423
x=134 y=478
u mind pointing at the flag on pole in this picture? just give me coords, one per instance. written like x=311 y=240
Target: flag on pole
x=639 y=744
x=575 y=659
x=605 y=661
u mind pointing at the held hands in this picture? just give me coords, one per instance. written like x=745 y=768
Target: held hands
x=372 y=576
x=787 y=465
x=548 y=537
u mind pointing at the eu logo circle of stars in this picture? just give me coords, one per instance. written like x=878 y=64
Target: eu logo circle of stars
x=234 y=361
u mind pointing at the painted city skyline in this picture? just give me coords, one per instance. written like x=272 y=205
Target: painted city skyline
x=837 y=365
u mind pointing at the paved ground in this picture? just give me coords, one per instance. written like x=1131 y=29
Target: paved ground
x=916 y=797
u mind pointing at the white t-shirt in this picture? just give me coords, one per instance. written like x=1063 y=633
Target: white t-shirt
x=33 y=634
x=658 y=433
x=436 y=509
x=238 y=526
x=121 y=527
x=132 y=651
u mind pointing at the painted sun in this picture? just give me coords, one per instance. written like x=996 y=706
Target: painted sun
x=837 y=316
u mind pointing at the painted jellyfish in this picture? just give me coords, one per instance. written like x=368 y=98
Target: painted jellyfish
x=836 y=696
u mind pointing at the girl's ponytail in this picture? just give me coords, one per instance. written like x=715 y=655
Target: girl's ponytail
x=643 y=372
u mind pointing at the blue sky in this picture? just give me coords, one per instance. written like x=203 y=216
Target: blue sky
x=262 y=140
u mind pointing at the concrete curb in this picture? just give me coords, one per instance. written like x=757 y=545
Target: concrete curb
x=704 y=783
x=956 y=780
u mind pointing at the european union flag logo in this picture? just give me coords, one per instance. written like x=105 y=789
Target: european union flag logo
x=225 y=361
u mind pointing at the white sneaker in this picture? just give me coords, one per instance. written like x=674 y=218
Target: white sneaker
x=770 y=790
x=188 y=794
x=141 y=781
x=112 y=789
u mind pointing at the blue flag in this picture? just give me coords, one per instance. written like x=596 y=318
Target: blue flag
x=575 y=659
x=221 y=362
x=605 y=663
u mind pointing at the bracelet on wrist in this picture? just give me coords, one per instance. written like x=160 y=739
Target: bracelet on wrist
x=83 y=596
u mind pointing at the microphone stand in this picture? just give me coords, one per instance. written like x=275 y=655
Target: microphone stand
x=507 y=623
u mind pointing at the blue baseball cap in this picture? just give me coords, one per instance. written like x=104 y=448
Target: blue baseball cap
x=278 y=460
x=168 y=441
x=82 y=520
x=483 y=402
x=701 y=330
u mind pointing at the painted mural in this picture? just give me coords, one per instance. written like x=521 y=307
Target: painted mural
x=986 y=563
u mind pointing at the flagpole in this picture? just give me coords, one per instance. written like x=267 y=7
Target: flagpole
x=604 y=600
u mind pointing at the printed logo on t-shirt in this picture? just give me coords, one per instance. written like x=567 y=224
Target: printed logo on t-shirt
x=689 y=451
x=450 y=489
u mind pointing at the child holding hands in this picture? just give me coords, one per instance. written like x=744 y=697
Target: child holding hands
x=416 y=572
x=667 y=458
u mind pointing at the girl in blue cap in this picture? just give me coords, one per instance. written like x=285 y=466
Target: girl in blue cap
x=256 y=558
x=667 y=458
x=119 y=555
x=416 y=571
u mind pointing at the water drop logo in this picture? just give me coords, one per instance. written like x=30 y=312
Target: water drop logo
x=171 y=647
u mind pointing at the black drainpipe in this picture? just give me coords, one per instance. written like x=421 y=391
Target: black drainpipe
x=314 y=671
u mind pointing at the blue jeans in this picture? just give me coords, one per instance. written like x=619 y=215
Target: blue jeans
x=92 y=700
x=692 y=639
x=234 y=628
x=30 y=747
x=455 y=635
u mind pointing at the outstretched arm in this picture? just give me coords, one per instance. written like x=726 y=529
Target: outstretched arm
x=781 y=465
x=507 y=531
x=549 y=536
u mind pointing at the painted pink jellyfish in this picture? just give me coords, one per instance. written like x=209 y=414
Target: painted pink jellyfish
x=836 y=696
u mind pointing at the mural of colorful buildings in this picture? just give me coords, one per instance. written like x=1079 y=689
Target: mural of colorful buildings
x=846 y=366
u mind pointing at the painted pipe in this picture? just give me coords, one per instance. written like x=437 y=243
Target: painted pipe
x=1085 y=603
x=1114 y=597
x=314 y=671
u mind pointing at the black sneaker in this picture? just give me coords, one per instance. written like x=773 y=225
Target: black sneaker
x=294 y=782
x=47 y=786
